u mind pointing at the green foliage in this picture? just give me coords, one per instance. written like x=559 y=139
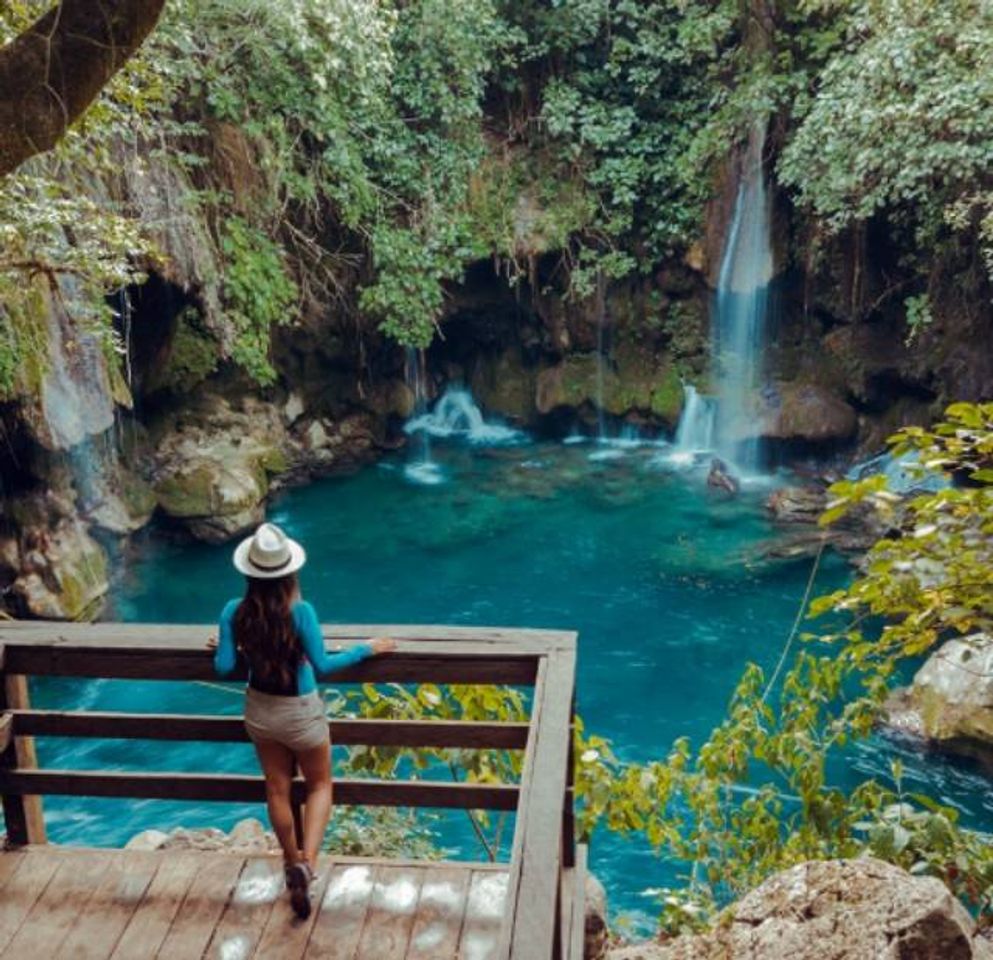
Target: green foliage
x=455 y=702
x=382 y=832
x=258 y=295
x=193 y=354
x=627 y=108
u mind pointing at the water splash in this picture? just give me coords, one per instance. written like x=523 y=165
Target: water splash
x=696 y=423
x=457 y=415
x=421 y=468
x=741 y=311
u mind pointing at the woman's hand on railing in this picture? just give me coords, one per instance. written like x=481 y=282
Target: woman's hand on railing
x=212 y=642
x=380 y=645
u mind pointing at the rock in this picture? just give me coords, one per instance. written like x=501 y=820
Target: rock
x=63 y=572
x=806 y=412
x=148 y=840
x=797 y=504
x=950 y=701
x=249 y=833
x=293 y=408
x=632 y=380
x=214 y=471
x=316 y=435
x=846 y=909
x=596 y=932
x=799 y=508
x=247 y=836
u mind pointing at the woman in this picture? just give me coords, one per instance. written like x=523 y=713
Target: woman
x=279 y=637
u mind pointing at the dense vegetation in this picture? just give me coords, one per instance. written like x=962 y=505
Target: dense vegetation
x=388 y=146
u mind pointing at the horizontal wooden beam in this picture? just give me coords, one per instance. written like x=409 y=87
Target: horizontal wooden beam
x=151 y=726
x=147 y=662
x=248 y=789
x=192 y=636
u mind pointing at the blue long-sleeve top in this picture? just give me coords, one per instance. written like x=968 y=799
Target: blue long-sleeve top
x=308 y=629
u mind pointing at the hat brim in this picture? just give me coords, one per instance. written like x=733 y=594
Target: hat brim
x=243 y=564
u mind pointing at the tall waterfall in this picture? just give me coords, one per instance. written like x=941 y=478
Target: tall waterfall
x=741 y=308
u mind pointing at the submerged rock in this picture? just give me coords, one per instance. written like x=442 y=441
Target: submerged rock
x=845 y=909
x=950 y=701
x=797 y=510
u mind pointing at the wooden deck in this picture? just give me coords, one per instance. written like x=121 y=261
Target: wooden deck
x=56 y=902
x=60 y=902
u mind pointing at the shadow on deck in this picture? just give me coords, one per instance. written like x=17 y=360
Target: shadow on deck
x=71 y=902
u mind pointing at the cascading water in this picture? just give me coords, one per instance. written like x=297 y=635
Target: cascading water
x=696 y=423
x=740 y=314
x=421 y=468
x=601 y=354
x=456 y=414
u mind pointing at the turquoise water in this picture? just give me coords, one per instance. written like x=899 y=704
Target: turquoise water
x=661 y=578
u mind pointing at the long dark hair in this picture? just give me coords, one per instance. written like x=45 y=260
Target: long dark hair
x=263 y=629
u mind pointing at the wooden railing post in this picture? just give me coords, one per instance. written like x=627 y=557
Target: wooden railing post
x=568 y=809
x=23 y=816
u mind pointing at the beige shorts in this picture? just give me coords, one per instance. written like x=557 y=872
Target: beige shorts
x=298 y=723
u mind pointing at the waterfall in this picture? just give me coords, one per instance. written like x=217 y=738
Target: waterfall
x=601 y=353
x=457 y=415
x=696 y=423
x=421 y=468
x=740 y=314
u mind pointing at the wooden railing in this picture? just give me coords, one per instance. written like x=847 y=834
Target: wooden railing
x=544 y=913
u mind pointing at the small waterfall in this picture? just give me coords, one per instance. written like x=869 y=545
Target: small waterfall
x=421 y=468
x=601 y=353
x=741 y=309
x=456 y=414
x=695 y=433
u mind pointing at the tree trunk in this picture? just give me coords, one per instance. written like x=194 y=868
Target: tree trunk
x=54 y=70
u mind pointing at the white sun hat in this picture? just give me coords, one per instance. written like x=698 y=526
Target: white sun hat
x=268 y=554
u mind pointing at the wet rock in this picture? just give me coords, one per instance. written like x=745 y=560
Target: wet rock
x=847 y=909
x=632 y=380
x=61 y=570
x=950 y=701
x=807 y=412
x=797 y=510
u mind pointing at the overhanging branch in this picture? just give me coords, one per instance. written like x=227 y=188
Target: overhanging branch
x=54 y=70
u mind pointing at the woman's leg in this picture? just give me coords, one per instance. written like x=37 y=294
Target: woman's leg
x=278 y=766
x=315 y=765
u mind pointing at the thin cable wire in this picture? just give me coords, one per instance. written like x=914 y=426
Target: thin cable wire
x=796 y=623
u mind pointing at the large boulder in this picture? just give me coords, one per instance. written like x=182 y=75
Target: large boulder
x=807 y=412
x=53 y=568
x=839 y=909
x=214 y=467
x=950 y=701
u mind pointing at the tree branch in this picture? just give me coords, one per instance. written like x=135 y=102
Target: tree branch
x=54 y=70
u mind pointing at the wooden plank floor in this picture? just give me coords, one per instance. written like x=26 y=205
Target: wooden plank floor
x=68 y=902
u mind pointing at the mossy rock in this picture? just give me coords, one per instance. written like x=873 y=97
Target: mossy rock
x=667 y=397
x=505 y=386
x=212 y=489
